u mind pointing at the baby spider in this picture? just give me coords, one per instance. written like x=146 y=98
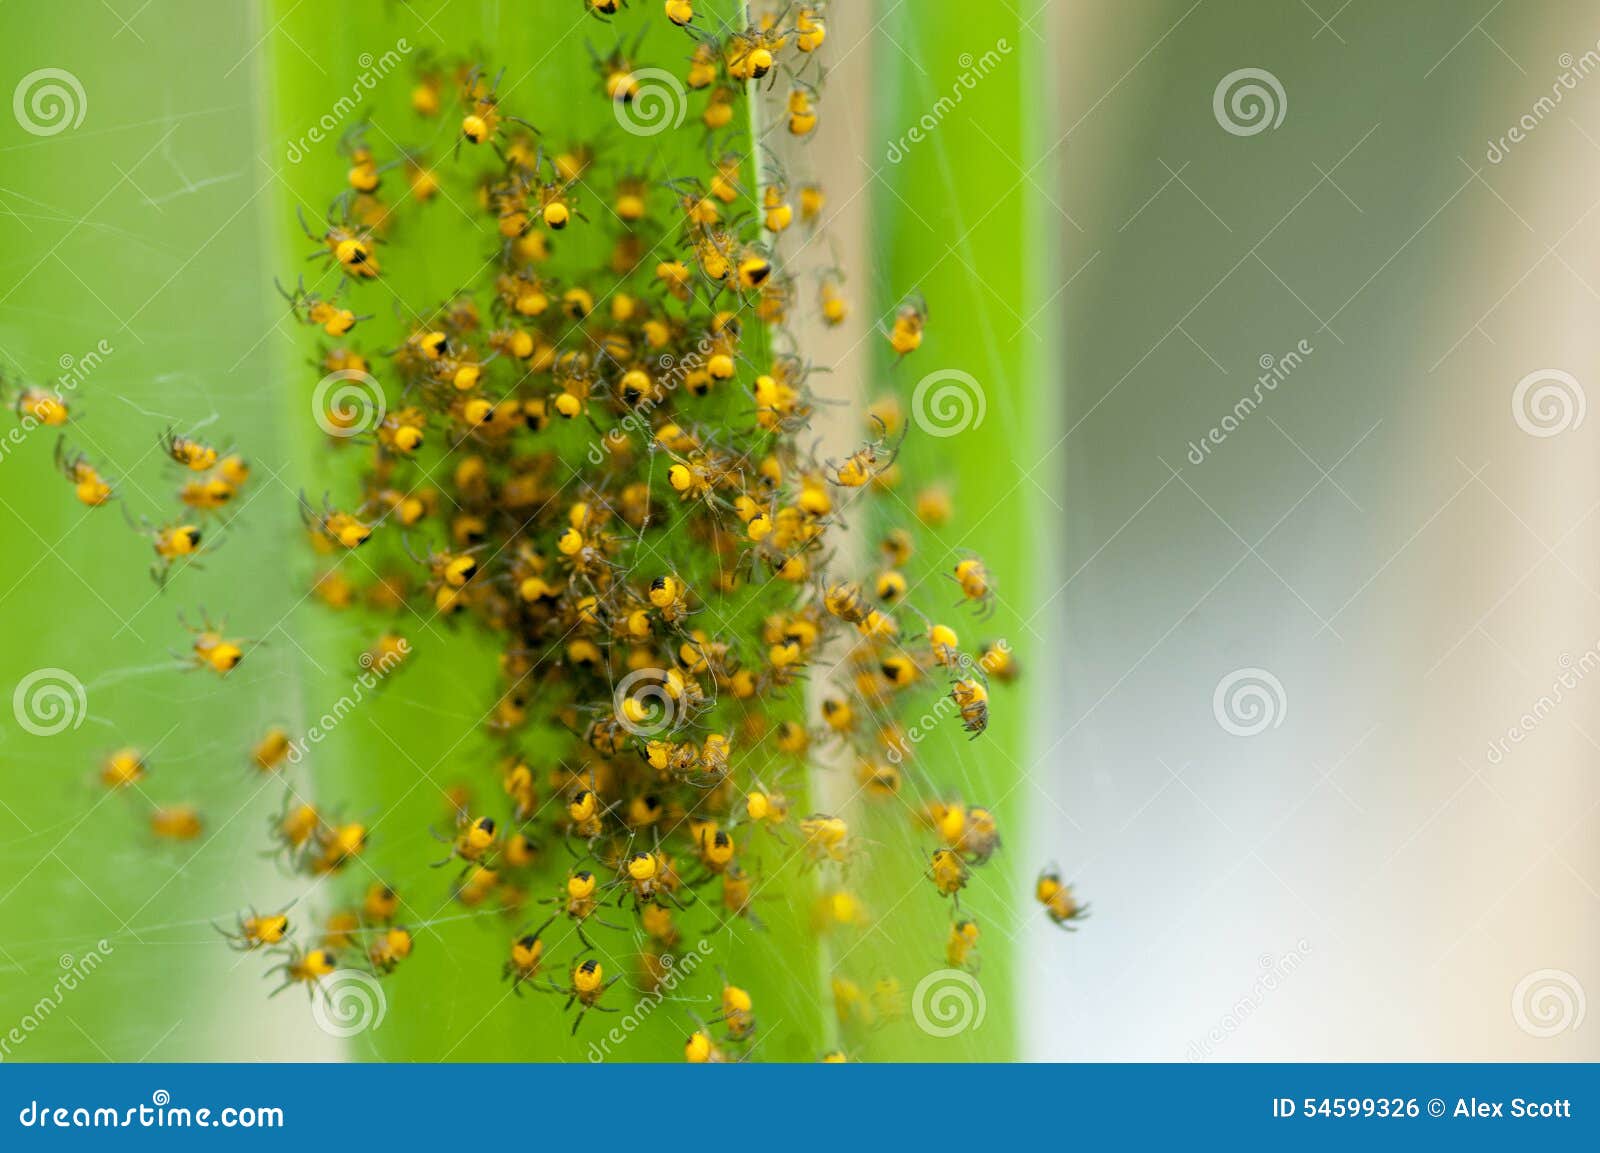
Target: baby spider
x=274 y=747
x=292 y=830
x=868 y=461
x=827 y=838
x=750 y=52
x=972 y=698
x=176 y=823
x=254 y=930
x=209 y=493
x=737 y=1011
x=313 y=309
x=961 y=946
x=342 y=529
x=767 y=807
x=905 y=335
x=303 y=967
x=949 y=873
x=365 y=173
x=813 y=199
x=388 y=949
x=380 y=903
x=350 y=248
x=173 y=543
x=452 y=570
x=193 y=454
x=474 y=842
x=617 y=80
x=1059 y=904
x=700 y=1049
x=212 y=649
x=557 y=206
x=587 y=986
x=586 y=814
x=831 y=300
x=642 y=876
x=578 y=901
x=90 y=486
x=979 y=838
x=681 y=13
x=811 y=27
x=976 y=588
x=715 y=848
x=527 y=957
x=802 y=109
x=999 y=661
x=123 y=768
x=484 y=120
x=337 y=845
x=36 y=404
x=776 y=211
x=738 y=894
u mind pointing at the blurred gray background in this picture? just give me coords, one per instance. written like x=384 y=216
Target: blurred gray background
x=1280 y=751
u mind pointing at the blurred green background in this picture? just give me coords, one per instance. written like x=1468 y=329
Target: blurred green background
x=157 y=224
